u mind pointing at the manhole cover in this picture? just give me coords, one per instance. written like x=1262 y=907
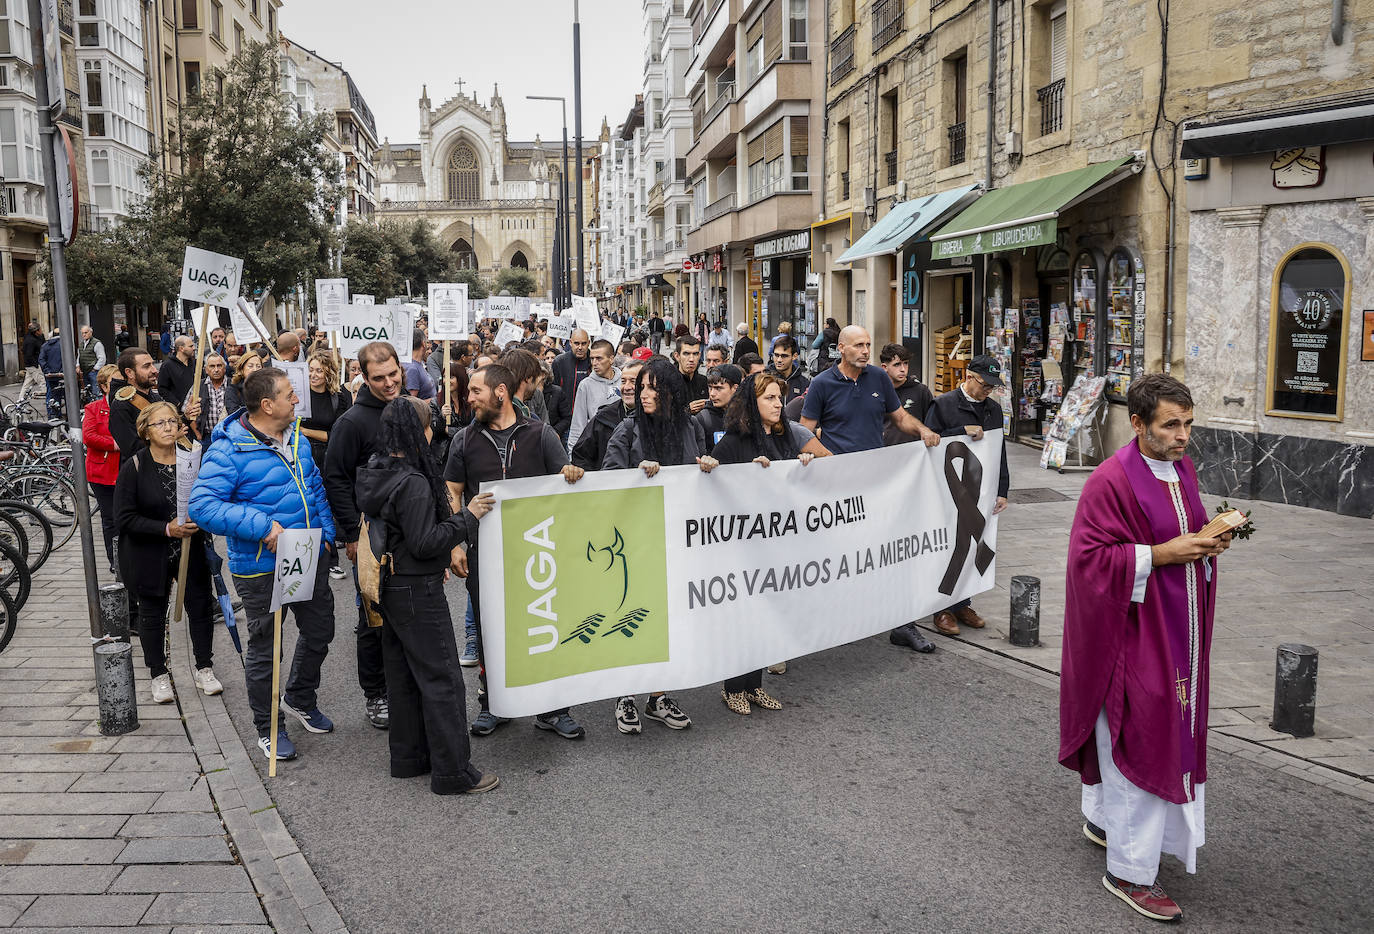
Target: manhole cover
x=1036 y=494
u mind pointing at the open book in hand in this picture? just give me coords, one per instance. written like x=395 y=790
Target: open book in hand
x=1222 y=523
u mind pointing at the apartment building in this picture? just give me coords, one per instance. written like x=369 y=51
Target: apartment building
x=114 y=104
x=624 y=221
x=23 y=210
x=757 y=87
x=354 y=135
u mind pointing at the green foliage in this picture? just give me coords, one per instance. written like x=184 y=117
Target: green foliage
x=258 y=182
x=379 y=260
x=369 y=263
x=1246 y=530
x=516 y=281
x=122 y=265
x=477 y=286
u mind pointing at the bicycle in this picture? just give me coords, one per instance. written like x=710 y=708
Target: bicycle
x=47 y=490
x=28 y=530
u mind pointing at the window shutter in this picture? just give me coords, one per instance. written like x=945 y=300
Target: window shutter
x=755 y=150
x=772 y=33
x=754 y=34
x=800 y=135
x=1059 y=55
x=772 y=142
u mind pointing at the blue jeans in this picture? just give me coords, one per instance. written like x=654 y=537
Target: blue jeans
x=470 y=624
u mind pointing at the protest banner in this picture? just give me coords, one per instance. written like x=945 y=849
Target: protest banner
x=508 y=334
x=612 y=332
x=588 y=318
x=448 y=311
x=210 y=278
x=621 y=584
x=331 y=298
x=297 y=557
x=561 y=327
x=364 y=300
x=501 y=307
x=188 y=468
x=363 y=324
x=523 y=308
x=543 y=310
x=298 y=371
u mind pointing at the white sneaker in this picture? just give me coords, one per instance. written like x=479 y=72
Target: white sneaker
x=207 y=682
x=337 y=573
x=162 y=690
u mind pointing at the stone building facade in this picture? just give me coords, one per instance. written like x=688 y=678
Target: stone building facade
x=491 y=200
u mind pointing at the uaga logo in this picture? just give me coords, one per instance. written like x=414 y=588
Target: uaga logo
x=586 y=583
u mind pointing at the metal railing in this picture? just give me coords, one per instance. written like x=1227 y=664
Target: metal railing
x=957 y=143
x=891 y=160
x=842 y=54
x=718 y=208
x=887 y=22
x=844 y=185
x=725 y=95
x=1051 y=98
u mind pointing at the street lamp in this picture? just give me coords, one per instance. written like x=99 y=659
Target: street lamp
x=567 y=238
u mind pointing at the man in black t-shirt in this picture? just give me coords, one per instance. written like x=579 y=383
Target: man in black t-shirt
x=687 y=356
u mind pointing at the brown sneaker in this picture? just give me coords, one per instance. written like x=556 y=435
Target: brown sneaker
x=1149 y=900
x=969 y=618
x=488 y=782
x=946 y=623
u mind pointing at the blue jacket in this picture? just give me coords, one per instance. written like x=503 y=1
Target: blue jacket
x=50 y=356
x=245 y=484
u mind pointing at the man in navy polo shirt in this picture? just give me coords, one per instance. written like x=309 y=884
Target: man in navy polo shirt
x=850 y=401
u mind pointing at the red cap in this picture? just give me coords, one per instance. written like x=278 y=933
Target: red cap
x=642 y=353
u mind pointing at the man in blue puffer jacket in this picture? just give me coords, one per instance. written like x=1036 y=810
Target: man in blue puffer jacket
x=256 y=479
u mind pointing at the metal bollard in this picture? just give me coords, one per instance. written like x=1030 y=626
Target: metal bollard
x=1025 y=610
x=114 y=611
x=1295 y=689
x=114 y=685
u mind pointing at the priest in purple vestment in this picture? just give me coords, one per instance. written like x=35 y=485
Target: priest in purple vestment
x=1138 y=613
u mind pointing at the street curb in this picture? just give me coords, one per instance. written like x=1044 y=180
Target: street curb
x=1217 y=738
x=291 y=895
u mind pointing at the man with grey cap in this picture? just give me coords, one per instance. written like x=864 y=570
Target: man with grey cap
x=969 y=409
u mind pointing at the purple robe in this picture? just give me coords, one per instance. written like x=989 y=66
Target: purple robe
x=1133 y=659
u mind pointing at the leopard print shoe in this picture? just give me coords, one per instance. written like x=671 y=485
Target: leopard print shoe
x=760 y=697
x=739 y=702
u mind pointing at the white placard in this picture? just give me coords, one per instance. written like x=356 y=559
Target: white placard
x=561 y=327
x=331 y=298
x=509 y=333
x=210 y=278
x=588 y=318
x=298 y=554
x=477 y=308
x=188 y=468
x=543 y=310
x=500 y=306
x=242 y=314
x=522 y=308
x=612 y=332
x=364 y=300
x=298 y=371
x=448 y=311
x=363 y=324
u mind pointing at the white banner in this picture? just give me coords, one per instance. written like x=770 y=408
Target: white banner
x=331 y=298
x=500 y=306
x=210 y=278
x=188 y=468
x=622 y=585
x=298 y=371
x=298 y=554
x=561 y=327
x=508 y=334
x=363 y=324
x=588 y=318
x=448 y=311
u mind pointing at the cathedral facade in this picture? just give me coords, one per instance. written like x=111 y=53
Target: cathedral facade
x=491 y=200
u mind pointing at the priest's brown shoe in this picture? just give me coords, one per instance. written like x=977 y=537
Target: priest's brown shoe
x=969 y=618
x=946 y=623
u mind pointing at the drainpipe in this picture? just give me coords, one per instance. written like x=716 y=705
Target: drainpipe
x=1337 y=18
x=1169 y=275
x=992 y=83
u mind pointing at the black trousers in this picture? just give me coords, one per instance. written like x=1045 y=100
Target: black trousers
x=152 y=621
x=104 y=497
x=429 y=717
x=749 y=681
x=475 y=598
x=371 y=668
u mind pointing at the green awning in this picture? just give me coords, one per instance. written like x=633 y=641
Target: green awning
x=1027 y=214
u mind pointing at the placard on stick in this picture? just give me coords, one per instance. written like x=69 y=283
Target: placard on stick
x=210 y=278
x=448 y=311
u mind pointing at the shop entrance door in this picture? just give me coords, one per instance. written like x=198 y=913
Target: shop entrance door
x=948 y=305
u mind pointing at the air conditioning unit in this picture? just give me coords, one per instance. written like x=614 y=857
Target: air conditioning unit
x=901 y=190
x=1013 y=143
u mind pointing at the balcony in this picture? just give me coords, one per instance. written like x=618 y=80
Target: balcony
x=887 y=22
x=73 y=115
x=714 y=43
x=654 y=205
x=1051 y=98
x=842 y=55
x=891 y=160
x=725 y=95
x=957 y=139
x=718 y=208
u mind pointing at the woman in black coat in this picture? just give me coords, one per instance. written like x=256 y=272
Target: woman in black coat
x=150 y=543
x=402 y=491
x=327 y=403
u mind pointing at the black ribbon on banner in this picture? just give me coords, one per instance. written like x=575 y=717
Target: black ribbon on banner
x=965 y=486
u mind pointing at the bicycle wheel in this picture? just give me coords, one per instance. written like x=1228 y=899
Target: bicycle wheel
x=13 y=533
x=57 y=457
x=14 y=575
x=9 y=619
x=52 y=496
x=36 y=528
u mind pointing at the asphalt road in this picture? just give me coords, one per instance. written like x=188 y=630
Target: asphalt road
x=894 y=792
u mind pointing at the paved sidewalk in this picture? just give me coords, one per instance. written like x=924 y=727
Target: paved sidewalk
x=165 y=829
x=1303 y=577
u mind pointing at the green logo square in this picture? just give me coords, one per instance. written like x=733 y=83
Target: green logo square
x=586 y=583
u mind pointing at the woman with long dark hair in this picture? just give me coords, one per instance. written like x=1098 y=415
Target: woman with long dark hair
x=447 y=420
x=402 y=490
x=660 y=433
x=758 y=431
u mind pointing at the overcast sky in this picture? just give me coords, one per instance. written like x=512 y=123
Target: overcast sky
x=394 y=47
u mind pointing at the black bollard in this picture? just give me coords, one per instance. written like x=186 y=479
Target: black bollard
x=1025 y=610
x=114 y=612
x=1295 y=689
x=114 y=685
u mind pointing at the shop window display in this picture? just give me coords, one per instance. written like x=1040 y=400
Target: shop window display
x=1125 y=325
x=1001 y=336
x=1085 y=316
x=1307 y=334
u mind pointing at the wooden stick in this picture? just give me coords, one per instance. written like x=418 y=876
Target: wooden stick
x=257 y=326
x=448 y=387
x=195 y=397
x=276 y=691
